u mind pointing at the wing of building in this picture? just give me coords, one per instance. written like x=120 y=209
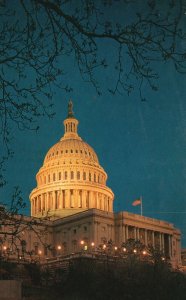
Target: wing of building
x=72 y=207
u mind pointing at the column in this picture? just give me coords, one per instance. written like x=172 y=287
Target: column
x=47 y=201
x=153 y=239
x=170 y=245
x=36 y=204
x=42 y=202
x=84 y=197
x=163 y=242
x=146 y=237
x=60 y=199
x=127 y=232
x=135 y=233
x=123 y=233
x=160 y=242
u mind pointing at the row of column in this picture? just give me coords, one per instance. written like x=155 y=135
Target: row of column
x=70 y=199
x=149 y=237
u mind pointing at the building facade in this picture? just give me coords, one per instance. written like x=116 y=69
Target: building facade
x=72 y=207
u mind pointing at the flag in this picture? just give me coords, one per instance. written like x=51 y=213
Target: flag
x=136 y=202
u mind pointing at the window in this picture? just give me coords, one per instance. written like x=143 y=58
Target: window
x=54 y=177
x=78 y=175
x=85 y=228
x=84 y=175
x=65 y=175
x=59 y=175
x=74 y=231
x=89 y=176
x=94 y=177
x=72 y=175
x=48 y=178
x=71 y=151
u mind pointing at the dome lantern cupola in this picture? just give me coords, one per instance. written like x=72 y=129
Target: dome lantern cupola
x=71 y=179
x=70 y=124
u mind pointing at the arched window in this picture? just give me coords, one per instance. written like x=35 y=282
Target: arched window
x=94 y=177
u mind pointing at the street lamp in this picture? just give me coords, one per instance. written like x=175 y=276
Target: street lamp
x=144 y=252
x=58 y=247
x=135 y=251
x=104 y=247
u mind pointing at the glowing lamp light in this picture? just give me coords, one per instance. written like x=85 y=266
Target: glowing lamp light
x=82 y=242
x=85 y=248
x=124 y=249
x=115 y=248
x=104 y=246
x=135 y=251
x=4 y=247
x=163 y=258
x=144 y=252
x=58 y=247
x=92 y=244
x=39 y=252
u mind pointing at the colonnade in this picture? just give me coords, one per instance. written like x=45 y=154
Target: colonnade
x=69 y=198
x=149 y=237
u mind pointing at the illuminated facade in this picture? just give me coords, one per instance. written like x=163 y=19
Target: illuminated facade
x=71 y=179
x=76 y=207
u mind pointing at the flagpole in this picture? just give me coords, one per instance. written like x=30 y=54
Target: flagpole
x=141 y=205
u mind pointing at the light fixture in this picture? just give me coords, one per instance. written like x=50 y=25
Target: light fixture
x=135 y=251
x=82 y=242
x=58 y=247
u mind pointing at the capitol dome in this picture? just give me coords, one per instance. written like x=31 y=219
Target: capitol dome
x=71 y=179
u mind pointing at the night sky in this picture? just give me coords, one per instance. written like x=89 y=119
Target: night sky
x=140 y=144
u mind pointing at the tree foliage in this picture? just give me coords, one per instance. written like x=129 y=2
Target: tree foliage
x=37 y=36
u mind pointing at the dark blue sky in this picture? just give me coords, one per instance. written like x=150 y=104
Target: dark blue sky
x=141 y=145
